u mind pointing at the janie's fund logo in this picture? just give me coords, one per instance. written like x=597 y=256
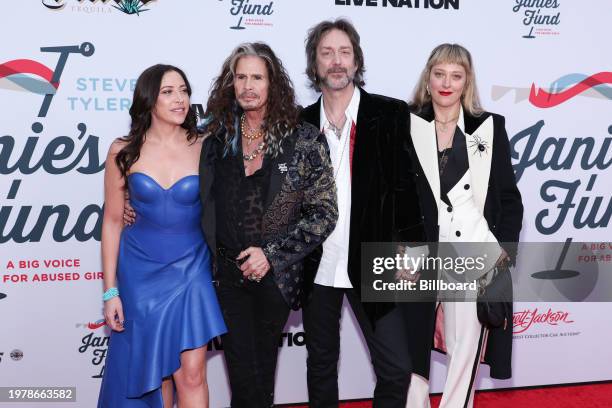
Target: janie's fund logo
x=22 y=221
x=94 y=345
x=540 y=17
x=251 y=13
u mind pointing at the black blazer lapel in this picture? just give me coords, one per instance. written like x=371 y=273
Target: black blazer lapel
x=312 y=114
x=363 y=171
x=365 y=150
x=471 y=123
x=427 y=112
x=479 y=131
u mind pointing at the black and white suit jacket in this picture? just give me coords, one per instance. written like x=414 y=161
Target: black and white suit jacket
x=492 y=185
x=491 y=181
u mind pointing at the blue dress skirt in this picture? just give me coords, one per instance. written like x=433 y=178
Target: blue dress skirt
x=165 y=284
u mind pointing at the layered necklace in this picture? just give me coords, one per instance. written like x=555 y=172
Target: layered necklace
x=247 y=132
x=337 y=129
x=251 y=135
x=444 y=123
x=443 y=128
x=444 y=157
x=254 y=153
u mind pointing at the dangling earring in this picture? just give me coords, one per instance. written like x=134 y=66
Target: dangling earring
x=427 y=89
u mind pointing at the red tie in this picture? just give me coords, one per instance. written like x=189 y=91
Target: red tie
x=352 y=145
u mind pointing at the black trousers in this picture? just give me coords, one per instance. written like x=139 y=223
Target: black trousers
x=388 y=346
x=255 y=315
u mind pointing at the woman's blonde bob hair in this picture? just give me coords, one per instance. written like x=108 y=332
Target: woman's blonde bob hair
x=449 y=54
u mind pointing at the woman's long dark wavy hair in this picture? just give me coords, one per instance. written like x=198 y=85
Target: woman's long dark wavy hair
x=143 y=102
x=223 y=112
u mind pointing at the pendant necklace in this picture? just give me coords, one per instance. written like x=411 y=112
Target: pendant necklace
x=248 y=133
x=332 y=126
x=251 y=156
x=444 y=158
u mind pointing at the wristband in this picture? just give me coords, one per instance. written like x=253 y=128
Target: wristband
x=109 y=294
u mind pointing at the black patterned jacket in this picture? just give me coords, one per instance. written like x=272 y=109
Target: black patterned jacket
x=300 y=209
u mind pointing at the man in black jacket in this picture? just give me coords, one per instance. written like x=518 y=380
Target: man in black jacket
x=374 y=170
x=268 y=200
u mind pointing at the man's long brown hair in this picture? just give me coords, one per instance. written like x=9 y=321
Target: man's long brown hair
x=223 y=111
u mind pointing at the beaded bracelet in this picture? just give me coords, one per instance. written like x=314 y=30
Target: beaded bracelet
x=110 y=293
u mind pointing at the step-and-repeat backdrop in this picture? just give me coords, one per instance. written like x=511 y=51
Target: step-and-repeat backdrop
x=67 y=72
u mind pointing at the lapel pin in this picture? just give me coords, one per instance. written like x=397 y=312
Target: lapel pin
x=282 y=167
x=478 y=145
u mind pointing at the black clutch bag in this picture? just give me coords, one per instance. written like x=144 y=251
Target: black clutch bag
x=494 y=301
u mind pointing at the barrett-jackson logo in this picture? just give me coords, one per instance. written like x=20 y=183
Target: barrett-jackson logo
x=526 y=319
x=434 y=4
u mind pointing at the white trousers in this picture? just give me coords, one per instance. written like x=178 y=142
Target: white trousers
x=464 y=337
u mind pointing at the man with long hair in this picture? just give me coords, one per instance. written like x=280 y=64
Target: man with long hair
x=371 y=152
x=269 y=199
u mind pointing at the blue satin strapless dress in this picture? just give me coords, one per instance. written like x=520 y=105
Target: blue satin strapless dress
x=165 y=285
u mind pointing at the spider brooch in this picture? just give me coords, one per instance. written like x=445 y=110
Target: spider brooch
x=478 y=145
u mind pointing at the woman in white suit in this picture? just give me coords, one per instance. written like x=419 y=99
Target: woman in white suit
x=468 y=194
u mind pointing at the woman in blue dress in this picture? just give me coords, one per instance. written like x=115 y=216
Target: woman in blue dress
x=159 y=300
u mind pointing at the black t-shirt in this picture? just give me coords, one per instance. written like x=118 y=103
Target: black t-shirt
x=239 y=201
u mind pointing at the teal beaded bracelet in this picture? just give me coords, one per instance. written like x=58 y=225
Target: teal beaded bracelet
x=109 y=294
